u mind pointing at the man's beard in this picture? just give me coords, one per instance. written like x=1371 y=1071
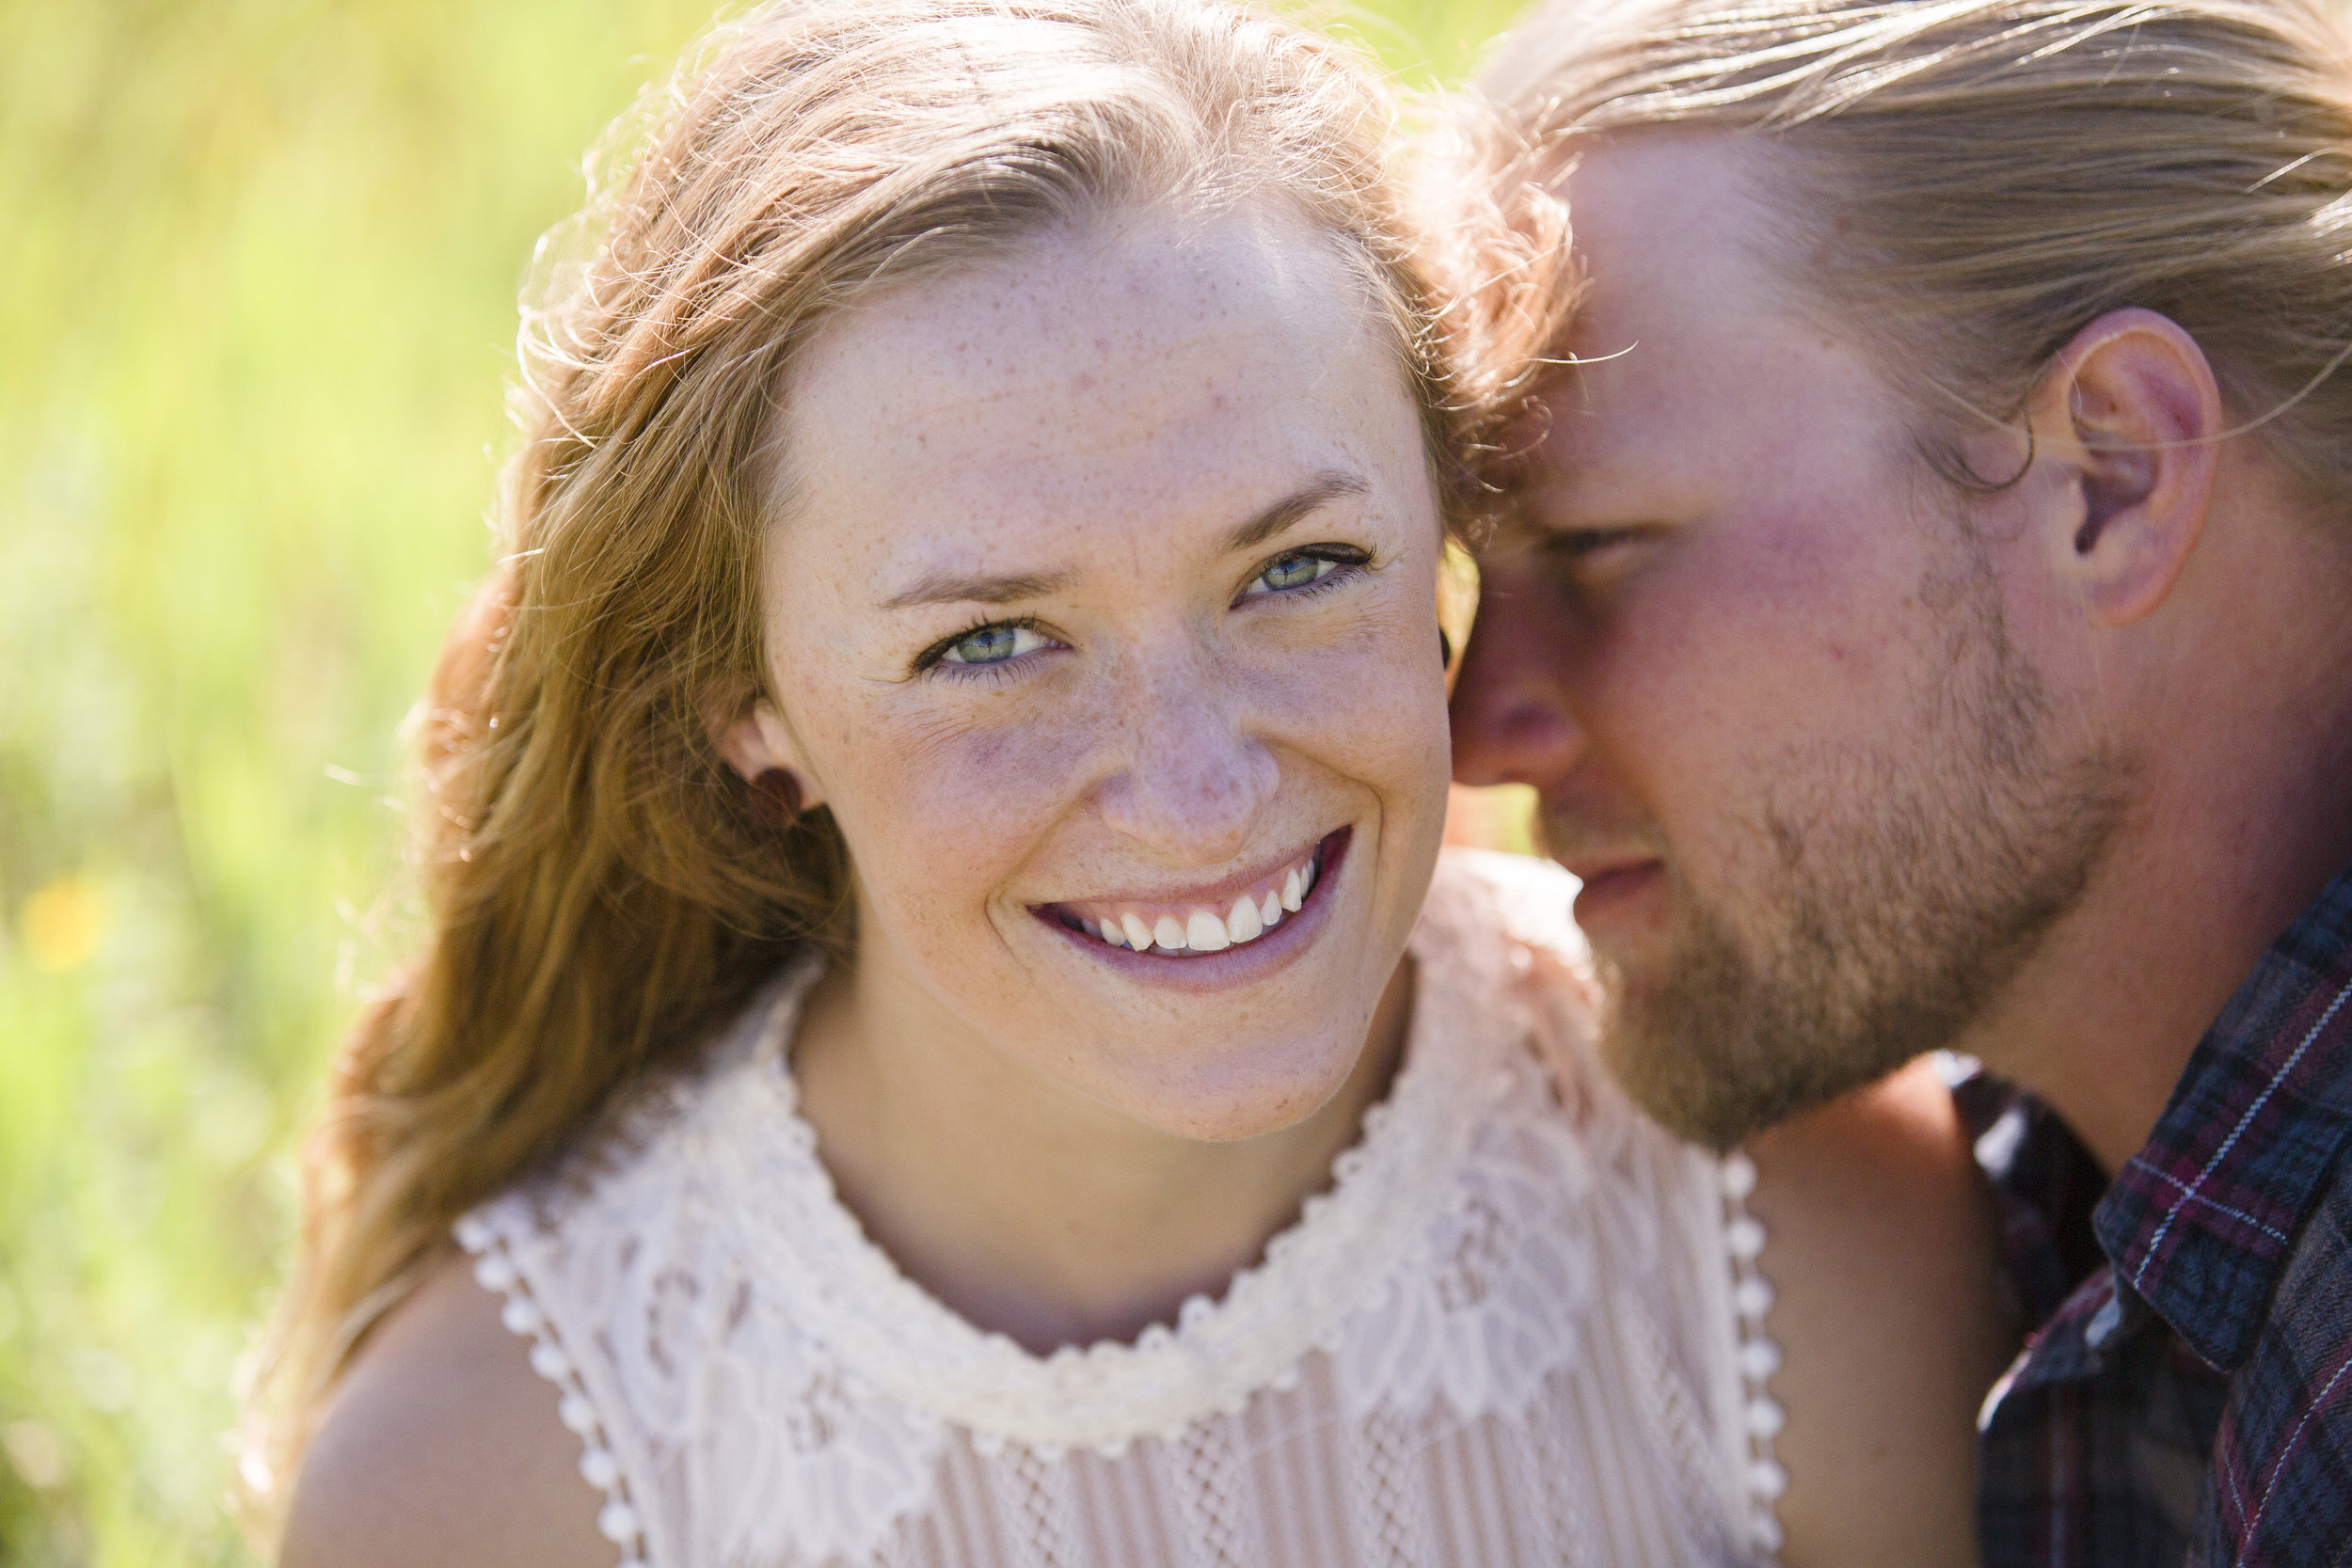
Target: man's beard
x=1907 y=889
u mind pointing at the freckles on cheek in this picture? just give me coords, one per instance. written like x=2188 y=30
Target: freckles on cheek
x=986 y=781
x=942 y=810
x=1370 y=709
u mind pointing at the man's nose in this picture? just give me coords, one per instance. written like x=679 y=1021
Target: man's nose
x=1512 y=723
x=1195 y=776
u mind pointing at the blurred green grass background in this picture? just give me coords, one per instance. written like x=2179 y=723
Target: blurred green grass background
x=258 y=260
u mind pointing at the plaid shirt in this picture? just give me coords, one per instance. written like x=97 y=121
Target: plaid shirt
x=2188 y=1397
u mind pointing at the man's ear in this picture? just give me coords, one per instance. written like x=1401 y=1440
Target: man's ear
x=757 y=742
x=2130 y=407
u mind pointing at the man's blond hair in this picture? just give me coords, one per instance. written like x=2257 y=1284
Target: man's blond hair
x=1969 y=182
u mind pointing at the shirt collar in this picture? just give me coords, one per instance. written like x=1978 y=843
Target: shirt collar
x=2203 y=1219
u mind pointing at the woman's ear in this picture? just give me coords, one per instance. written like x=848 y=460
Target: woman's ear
x=760 y=746
x=2130 y=407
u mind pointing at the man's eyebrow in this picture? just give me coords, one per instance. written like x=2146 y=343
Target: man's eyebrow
x=1329 y=485
x=972 y=587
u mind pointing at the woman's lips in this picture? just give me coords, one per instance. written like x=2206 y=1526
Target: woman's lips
x=1209 y=961
x=1208 y=925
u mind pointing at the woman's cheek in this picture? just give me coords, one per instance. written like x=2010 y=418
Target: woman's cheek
x=1369 y=702
x=957 y=806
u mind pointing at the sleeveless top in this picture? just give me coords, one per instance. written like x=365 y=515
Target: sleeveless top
x=1522 y=1325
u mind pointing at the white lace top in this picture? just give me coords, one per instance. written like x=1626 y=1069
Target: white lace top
x=1522 y=1325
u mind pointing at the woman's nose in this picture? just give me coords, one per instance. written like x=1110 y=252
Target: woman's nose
x=1512 y=722
x=1195 y=776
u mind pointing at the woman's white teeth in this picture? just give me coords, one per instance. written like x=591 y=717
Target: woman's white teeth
x=1206 y=930
x=1243 y=923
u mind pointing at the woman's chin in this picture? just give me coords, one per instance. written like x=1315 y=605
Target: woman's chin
x=1250 y=1092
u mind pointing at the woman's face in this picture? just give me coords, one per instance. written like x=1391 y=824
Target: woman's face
x=1101 y=609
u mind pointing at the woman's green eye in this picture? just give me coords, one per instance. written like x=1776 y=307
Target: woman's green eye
x=992 y=645
x=1294 y=571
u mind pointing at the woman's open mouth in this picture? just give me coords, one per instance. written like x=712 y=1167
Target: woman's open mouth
x=1194 y=928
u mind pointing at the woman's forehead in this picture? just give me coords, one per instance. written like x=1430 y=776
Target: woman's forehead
x=1154 y=374
x=1080 y=315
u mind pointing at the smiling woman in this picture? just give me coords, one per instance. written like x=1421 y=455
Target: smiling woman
x=1067 y=650
x=939 y=1043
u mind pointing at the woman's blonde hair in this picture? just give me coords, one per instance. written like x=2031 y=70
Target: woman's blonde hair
x=602 y=888
x=1976 y=180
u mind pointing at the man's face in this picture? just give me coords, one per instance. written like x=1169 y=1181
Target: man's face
x=1753 y=655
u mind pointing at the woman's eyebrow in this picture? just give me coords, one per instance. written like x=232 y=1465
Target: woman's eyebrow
x=966 y=587
x=974 y=588
x=1329 y=485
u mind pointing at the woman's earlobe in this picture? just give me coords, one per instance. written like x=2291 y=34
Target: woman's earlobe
x=776 y=797
x=760 y=747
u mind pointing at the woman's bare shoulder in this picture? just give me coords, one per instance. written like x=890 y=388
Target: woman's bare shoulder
x=443 y=1446
x=1891 y=1323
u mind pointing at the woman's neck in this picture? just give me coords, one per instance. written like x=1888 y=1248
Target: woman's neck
x=1028 y=1209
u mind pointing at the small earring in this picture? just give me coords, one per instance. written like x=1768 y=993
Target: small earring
x=1445 y=650
x=776 y=797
